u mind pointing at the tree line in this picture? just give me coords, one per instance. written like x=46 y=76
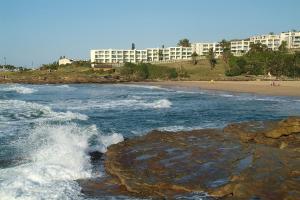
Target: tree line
x=260 y=60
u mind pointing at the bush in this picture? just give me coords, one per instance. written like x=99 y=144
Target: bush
x=144 y=71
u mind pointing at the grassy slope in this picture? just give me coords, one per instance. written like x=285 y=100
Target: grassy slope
x=202 y=71
x=63 y=73
x=73 y=74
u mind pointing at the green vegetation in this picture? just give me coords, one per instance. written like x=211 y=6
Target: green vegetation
x=12 y=68
x=79 y=71
x=184 y=43
x=260 y=61
x=200 y=71
x=142 y=71
x=226 y=54
x=211 y=58
x=194 y=58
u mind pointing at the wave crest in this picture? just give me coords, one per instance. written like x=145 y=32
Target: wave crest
x=22 y=110
x=19 y=89
x=58 y=157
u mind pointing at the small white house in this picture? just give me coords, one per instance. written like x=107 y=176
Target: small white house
x=64 y=61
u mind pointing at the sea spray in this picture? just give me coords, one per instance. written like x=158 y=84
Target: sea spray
x=57 y=158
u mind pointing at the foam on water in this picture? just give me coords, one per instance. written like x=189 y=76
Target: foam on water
x=104 y=141
x=57 y=156
x=19 y=89
x=151 y=87
x=23 y=110
x=163 y=103
x=133 y=103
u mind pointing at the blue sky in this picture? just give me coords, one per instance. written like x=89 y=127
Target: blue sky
x=42 y=30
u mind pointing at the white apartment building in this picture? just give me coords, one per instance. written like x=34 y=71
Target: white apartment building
x=203 y=48
x=292 y=38
x=239 y=47
x=112 y=56
x=272 y=41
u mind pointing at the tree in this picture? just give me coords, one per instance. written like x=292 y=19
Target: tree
x=160 y=55
x=283 y=47
x=211 y=58
x=194 y=58
x=257 y=48
x=184 y=43
x=226 y=54
x=132 y=46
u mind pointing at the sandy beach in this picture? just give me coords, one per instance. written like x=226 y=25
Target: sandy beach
x=281 y=88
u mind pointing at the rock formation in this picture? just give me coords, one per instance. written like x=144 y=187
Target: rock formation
x=249 y=160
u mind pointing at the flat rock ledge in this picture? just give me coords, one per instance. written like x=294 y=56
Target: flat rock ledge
x=249 y=160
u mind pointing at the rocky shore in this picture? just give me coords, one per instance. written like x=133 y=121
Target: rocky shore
x=249 y=160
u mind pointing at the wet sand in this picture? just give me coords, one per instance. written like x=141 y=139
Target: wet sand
x=281 y=88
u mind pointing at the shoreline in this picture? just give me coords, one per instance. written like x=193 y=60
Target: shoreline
x=282 y=88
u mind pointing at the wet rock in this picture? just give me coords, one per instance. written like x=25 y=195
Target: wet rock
x=281 y=134
x=285 y=127
x=95 y=156
x=243 y=161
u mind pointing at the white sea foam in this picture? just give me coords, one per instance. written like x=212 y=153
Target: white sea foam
x=65 y=87
x=163 y=103
x=19 y=89
x=104 y=141
x=58 y=157
x=151 y=87
x=18 y=109
x=134 y=103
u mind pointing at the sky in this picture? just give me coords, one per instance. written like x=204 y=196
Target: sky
x=35 y=32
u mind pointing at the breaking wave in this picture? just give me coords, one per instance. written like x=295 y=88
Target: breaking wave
x=57 y=156
x=22 y=110
x=136 y=103
x=151 y=87
x=19 y=89
x=104 y=141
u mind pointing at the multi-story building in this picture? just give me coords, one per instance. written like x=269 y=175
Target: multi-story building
x=270 y=40
x=136 y=56
x=292 y=38
x=239 y=47
x=202 y=48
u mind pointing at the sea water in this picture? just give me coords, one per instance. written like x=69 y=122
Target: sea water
x=46 y=131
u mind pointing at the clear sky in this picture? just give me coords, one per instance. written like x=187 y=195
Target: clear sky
x=42 y=30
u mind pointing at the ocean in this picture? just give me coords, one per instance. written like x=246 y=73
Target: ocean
x=46 y=131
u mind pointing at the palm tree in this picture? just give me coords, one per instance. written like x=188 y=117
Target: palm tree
x=225 y=45
x=211 y=57
x=283 y=46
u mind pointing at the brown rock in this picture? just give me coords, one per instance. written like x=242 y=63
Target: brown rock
x=239 y=162
x=285 y=127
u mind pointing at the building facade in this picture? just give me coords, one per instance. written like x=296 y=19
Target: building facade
x=138 y=56
x=202 y=48
x=237 y=47
x=292 y=38
x=272 y=41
